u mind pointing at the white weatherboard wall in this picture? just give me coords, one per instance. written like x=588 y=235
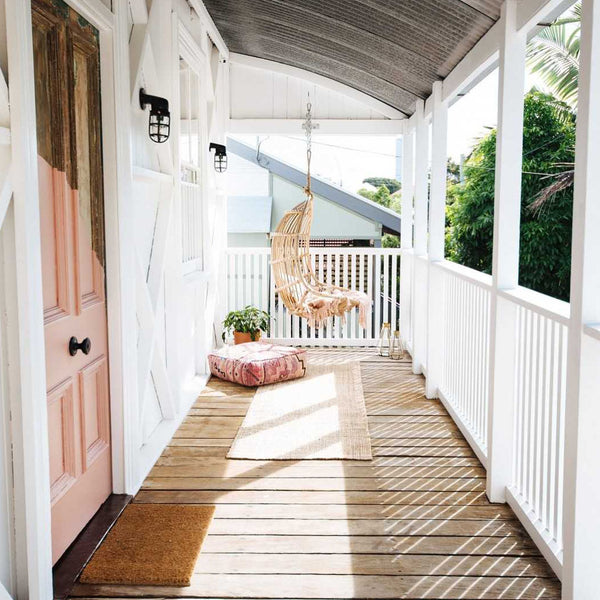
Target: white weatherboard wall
x=261 y=89
x=270 y=97
x=176 y=303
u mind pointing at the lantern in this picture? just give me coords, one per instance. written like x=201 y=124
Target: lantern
x=385 y=339
x=220 y=161
x=159 y=124
x=397 y=348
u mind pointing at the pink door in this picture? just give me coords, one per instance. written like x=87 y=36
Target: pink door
x=66 y=56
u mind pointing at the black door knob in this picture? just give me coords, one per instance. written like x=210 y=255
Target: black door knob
x=85 y=346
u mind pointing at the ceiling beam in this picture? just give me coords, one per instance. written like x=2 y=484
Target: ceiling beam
x=393 y=127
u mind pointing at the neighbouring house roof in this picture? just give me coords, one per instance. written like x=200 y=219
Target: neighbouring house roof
x=389 y=219
x=389 y=49
x=249 y=214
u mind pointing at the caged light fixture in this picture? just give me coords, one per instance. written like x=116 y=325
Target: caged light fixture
x=159 y=124
x=220 y=161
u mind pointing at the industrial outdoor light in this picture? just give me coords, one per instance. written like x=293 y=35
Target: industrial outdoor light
x=159 y=125
x=220 y=157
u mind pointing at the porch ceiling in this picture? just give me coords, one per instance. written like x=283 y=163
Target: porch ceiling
x=392 y=50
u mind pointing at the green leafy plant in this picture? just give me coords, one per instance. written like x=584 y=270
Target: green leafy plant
x=248 y=320
x=546 y=213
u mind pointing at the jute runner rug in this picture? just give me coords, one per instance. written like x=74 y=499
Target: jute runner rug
x=320 y=416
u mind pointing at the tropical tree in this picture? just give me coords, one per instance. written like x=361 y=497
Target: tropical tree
x=554 y=55
x=381 y=195
x=393 y=185
x=545 y=239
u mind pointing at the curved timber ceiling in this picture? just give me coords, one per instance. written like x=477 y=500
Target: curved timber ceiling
x=392 y=50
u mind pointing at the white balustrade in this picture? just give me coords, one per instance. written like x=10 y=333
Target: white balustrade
x=464 y=380
x=539 y=344
x=536 y=492
x=375 y=271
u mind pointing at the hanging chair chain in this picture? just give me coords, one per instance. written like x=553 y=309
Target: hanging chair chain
x=308 y=127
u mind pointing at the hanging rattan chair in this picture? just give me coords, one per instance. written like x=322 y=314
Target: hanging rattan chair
x=295 y=281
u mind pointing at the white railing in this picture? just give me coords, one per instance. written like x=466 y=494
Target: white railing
x=464 y=379
x=539 y=348
x=375 y=271
x=536 y=493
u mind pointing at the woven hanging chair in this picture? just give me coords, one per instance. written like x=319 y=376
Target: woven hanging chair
x=295 y=281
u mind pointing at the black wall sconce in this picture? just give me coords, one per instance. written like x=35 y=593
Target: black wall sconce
x=159 y=125
x=220 y=161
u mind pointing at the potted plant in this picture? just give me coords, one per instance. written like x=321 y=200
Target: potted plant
x=246 y=324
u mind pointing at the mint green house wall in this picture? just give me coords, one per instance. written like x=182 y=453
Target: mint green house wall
x=330 y=220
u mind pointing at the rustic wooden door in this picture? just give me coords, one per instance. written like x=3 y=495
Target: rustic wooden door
x=66 y=56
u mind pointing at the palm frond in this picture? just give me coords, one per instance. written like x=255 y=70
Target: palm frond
x=554 y=55
x=542 y=199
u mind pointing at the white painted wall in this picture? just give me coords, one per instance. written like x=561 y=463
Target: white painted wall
x=6 y=484
x=265 y=94
x=176 y=309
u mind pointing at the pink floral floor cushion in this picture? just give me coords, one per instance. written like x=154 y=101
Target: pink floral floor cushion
x=257 y=363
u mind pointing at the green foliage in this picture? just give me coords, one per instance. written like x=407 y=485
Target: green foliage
x=390 y=241
x=381 y=195
x=453 y=171
x=248 y=320
x=393 y=185
x=554 y=55
x=545 y=242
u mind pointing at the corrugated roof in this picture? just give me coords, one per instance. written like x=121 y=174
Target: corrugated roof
x=390 y=49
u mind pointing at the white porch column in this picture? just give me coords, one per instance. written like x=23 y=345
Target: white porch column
x=406 y=231
x=408 y=187
x=505 y=268
x=419 y=299
x=28 y=403
x=437 y=222
x=581 y=518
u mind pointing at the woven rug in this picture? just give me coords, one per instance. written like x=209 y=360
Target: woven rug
x=151 y=544
x=320 y=416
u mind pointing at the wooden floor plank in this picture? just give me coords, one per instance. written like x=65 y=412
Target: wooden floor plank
x=413 y=523
x=241 y=468
x=303 y=497
x=316 y=484
x=189 y=455
x=370 y=564
x=370 y=527
x=347 y=586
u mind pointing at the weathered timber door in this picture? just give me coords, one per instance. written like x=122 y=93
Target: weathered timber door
x=67 y=91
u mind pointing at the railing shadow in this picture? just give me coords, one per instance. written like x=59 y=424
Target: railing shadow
x=412 y=523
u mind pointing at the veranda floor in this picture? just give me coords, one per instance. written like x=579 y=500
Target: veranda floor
x=413 y=523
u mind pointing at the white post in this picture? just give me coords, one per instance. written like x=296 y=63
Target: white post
x=419 y=299
x=437 y=223
x=120 y=262
x=408 y=187
x=505 y=267
x=581 y=519
x=29 y=410
x=406 y=230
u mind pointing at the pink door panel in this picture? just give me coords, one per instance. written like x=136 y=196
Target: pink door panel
x=72 y=228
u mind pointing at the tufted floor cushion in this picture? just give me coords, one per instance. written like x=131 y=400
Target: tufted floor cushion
x=257 y=363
